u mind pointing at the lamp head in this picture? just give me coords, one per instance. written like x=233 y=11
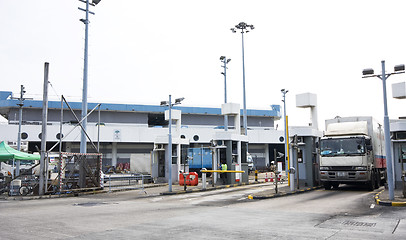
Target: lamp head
x=400 y=67
x=368 y=71
x=222 y=58
x=228 y=60
x=179 y=100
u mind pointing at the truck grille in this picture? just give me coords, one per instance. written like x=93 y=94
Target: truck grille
x=341 y=168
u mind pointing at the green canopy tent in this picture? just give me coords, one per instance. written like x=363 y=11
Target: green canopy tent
x=9 y=153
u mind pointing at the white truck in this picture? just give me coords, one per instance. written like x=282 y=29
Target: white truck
x=352 y=151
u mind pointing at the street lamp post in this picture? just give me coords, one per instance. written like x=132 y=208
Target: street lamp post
x=225 y=61
x=383 y=76
x=20 y=119
x=85 y=68
x=244 y=29
x=286 y=137
x=169 y=161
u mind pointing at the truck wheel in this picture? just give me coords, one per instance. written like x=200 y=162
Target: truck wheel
x=377 y=180
x=371 y=183
x=327 y=186
x=335 y=185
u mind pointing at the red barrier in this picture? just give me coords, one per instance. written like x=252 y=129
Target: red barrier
x=192 y=179
x=181 y=179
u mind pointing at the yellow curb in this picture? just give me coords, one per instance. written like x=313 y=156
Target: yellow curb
x=399 y=204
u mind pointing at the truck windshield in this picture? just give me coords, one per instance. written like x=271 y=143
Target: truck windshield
x=342 y=146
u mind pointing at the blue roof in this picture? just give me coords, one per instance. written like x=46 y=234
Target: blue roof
x=6 y=102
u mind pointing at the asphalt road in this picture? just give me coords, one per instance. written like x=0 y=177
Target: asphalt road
x=346 y=213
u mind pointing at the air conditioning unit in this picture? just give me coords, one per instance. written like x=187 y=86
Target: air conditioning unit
x=217 y=143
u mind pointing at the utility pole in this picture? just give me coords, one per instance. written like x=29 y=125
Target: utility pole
x=42 y=171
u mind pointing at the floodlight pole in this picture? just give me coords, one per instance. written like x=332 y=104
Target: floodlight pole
x=85 y=74
x=83 y=148
x=243 y=27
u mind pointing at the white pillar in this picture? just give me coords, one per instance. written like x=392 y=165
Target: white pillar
x=267 y=154
x=114 y=154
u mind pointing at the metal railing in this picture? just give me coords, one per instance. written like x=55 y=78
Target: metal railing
x=131 y=181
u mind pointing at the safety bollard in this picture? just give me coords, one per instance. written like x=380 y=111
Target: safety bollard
x=256 y=175
x=204 y=180
x=110 y=183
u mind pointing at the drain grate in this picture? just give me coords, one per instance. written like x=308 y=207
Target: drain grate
x=90 y=204
x=358 y=224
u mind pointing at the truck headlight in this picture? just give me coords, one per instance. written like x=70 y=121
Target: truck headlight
x=360 y=168
x=324 y=168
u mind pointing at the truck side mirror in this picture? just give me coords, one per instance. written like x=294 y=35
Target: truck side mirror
x=368 y=141
x=369 y=147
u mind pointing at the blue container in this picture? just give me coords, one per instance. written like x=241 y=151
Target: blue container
x=200 y=158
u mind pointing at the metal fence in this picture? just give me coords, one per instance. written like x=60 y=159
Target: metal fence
x=132 y=181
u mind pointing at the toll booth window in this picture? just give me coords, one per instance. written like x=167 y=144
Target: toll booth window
x=244 y=152
x=403 y=154
x=184 y=154
x=234 y=148
x=174 y=154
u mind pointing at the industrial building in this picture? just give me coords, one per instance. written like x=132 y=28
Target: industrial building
x=130 y=133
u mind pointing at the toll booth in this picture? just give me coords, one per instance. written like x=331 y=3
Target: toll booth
x=398 y=132
x=160 y=155
x=304 y=155
x=230 y=147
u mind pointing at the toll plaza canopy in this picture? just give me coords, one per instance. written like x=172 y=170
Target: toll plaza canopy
x=9 y=153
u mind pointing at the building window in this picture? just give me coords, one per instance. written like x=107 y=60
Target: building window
x=58 y=136
x=156 y=120
x=24 y=135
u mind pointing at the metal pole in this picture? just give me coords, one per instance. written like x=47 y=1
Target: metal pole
x=20 y=117
x=285 y=126
x=60 y=148
x=98 y=132
x=84 y=94
x=225 y=93
x=170 y=146
x=387 y=137
x=291 y=176
x=43 y=133
x=243 y=83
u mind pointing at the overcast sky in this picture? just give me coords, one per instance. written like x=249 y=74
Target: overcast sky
x=142 y=51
